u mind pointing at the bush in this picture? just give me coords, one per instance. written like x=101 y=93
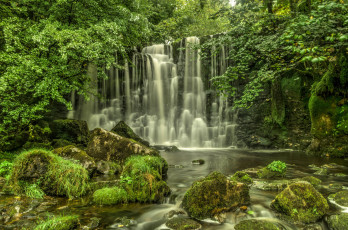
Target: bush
x=277 y=166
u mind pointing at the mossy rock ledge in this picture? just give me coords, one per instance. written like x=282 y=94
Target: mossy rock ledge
x=302 y=202
x=108 y=146
x=183 y=223
x=213 y=195
x=124 y=130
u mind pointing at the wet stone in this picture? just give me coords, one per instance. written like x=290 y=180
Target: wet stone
x=182 y=223
x=198 y=162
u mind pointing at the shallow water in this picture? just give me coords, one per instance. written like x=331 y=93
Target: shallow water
x=182 y=174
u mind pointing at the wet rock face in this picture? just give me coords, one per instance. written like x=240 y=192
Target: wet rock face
x=72 y=152
x=124 y=130
x=74 y=131
x=258 y=224
x=302 y=202
x=213 y=195
x=109 y=146
x=338 y=222
x=35 y=168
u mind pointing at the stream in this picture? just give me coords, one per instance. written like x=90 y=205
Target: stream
x=181 y=174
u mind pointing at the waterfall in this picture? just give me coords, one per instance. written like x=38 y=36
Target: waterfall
x=163 y=101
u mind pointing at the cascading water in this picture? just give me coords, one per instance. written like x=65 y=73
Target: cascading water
x=164 y=102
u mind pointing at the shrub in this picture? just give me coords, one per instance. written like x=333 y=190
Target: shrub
x=277 y=166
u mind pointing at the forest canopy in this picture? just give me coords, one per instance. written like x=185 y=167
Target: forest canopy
x=46 y=46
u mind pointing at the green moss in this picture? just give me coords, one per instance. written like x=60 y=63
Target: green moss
x=273 y=170
x=124 y=130
x=182 y=223
x=242 y=177
x=56 y=175
x=33 y=191
x=214 y=194
x=5 y=168
x=59 y=223
x=257 y=224
x=142 y=177
x=341 y=198
x=73 y=152
x=338 y=222
x=74 y=131
x=311 y=179
x=277 y=106
x=301 y=202
x=110 y=196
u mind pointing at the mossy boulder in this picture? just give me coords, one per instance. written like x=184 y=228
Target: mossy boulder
x=273 y=170
x=311 y=179
x=258 y=224
x=74 y=131
x=213 y=195
x=143 y=178
x=124 y=130
x=108 y=167
x=72 y=152
x=182 y=223
x=338 y=222
x=53 y=174
x=109 y=146
x=341 y=198
x=302 y=202
x=242 y=177
x=59 y=223
x=110 y=196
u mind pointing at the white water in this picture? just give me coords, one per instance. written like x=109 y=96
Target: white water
x=162 y=105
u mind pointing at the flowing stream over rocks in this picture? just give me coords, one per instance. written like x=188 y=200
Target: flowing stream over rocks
x=164 y=97
x=181 y=174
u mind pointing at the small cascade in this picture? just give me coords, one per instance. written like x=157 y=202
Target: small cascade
x=164 y=102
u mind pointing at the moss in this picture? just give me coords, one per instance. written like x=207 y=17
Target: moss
x=110 y=196
x=257 y=224
x=338 y=222
x=182 y=223
x=243 y=177
x=341 y=198
x=5 y=168
x=142 y=177
x=73 y=152
x=273 y=170
x=301 y=202
x=53 y=174
x=124 y=130
x=74 y=131
x=322 y=112
x=59 y=223
x=33 y=191
x=311 y=179
x=277 y=106
x=214 y=194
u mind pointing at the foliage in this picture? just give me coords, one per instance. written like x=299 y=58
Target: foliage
x=277 y=166
x=265 y=47
x=45 y=50
x=53 y=174
x=5 y=168
x=59 y=223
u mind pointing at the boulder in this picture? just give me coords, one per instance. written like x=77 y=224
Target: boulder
x=213 y=195
x=341 y=198
x=72 y=152
x=273 y=170
x=302 y=202
x=258 y=224
x=124 y=130
x=74 y=131
x=108 y=146
x=44 y=171
x=242 y=177
x=183 y=223
x=338 y=222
